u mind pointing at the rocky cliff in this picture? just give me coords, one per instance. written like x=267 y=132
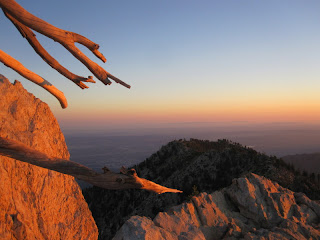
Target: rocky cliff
x=251 y=208
x=182 y=164
x=36 y=203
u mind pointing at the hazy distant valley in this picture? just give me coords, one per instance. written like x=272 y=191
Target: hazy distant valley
x=116 y=148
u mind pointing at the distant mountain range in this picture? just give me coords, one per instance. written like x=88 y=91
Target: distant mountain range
x=308 y=162
x=191 y=166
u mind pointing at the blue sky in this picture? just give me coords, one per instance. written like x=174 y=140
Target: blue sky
x=185 y=60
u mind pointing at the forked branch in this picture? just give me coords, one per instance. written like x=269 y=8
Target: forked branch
x=65 y=38
x=33 y=41
x=109 y=180
x=25 y=21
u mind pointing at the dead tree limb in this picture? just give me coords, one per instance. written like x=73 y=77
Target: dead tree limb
x=109 y=180
x=33 y=41
x=25 y=21
x=23 y=71
x=65 y=38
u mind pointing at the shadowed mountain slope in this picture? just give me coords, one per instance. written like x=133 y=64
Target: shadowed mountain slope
x=306 y=162
x=186 y=165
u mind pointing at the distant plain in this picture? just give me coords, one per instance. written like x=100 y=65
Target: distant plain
x=114 y=148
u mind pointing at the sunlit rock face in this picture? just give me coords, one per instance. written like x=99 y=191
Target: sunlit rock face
x=251 y=208
x=36 y=203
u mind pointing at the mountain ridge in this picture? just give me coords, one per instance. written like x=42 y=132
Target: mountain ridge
x=252 y=207
x=184 y=164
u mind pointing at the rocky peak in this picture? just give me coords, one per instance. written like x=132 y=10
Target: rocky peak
x=36 y=203
x=184 y=165
x=252 y=207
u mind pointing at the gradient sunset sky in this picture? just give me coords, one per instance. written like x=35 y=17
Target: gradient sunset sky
x=187 y=61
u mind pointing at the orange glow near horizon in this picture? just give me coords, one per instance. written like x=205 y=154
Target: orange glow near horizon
x=259 y=112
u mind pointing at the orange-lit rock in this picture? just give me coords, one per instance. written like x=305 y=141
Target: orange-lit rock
x=143 y=228
x=251 y=208
x=36 y=203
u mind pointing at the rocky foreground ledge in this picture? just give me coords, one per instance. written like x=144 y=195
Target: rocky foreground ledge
x=251 y=208
x=36 y=203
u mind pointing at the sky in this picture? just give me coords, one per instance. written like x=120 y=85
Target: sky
x=186 y=61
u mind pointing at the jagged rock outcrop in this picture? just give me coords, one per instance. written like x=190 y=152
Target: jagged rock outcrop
x=251 y=208
x=36 y=203
x=183 y=164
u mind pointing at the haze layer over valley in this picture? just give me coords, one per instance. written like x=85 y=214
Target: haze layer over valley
x=117 y=147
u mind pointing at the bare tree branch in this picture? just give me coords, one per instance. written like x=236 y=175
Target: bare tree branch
x=109 y=180
x=31 y=38
x=23 y=71
x=65 y=38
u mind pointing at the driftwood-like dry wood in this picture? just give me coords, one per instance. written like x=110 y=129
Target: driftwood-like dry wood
x=19 y=68
x=33 y=41
x=109 y=180
x=23 y=20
